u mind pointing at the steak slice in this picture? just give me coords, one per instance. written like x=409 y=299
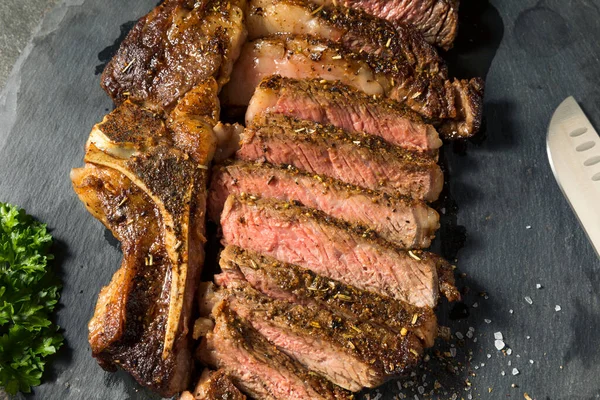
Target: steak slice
x=406 y=222
x=257 y=367
x=215 y=385
x=361 y=160
x=453 y=106
x=295 y=284
x=330 y=247
x=351 y=354
x=347 y=108
x=177 y=45
x=354 y=29
x=437 y=20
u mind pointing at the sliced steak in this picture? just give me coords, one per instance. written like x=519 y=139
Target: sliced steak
x=174 y=47
x=330 y=247
x=453 y=106
x=352 y=354
x=437 y=20
x=406 y=222
x=257 y=367
x=362 y=160
x=295 y=284
x=355 y=29
x=215 y=385
x=347 y=108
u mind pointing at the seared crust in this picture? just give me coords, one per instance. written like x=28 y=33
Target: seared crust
x=470 y=99
x=437 y=100
x=306 y=287
x=215 y=385
x=436 y=20
x=239 y=334
x=152 y=195
x=172 y=49
x=336 y=89
x=385 y=354
x=355 y=29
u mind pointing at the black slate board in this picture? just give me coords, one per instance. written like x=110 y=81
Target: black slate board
x=537 y=53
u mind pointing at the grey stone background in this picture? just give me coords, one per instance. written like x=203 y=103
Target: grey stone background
x=18 y=20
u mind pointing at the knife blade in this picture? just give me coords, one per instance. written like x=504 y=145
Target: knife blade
x=574 y=152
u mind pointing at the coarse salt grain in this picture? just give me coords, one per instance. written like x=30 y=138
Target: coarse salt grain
x=528 y=227
x=530 y=361
x=511 y=311
x=469 y=334
x=557 y=308
x=515 y=371
x=509 y=351
x=489 y=356
x=498 y=335
x=459 y=335
x=502 y=373
x=528 y=300
x=538 y=286
x=499 y=344
x=475 y=305
x=487 y=321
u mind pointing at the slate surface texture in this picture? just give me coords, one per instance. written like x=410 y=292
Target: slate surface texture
x=505 y=220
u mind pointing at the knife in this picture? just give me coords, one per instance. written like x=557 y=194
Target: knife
x=574 y=152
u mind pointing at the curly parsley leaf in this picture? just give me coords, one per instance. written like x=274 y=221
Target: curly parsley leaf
x=28 y=294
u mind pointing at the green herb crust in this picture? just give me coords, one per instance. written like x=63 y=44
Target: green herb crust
x=28 y=295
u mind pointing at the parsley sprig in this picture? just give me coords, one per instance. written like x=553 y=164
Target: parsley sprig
x=28 y=294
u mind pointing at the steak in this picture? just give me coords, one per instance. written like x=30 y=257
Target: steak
x=298 y=285
x=214 y=386
x=141 y=320
x=347 y=108
x=351 y=354
x=172 y=49
x=361 y=160
x=354 y=29
x=406 y=222
x=257 y=367
x=454 y=106
x=330 y=247
x=437 y=20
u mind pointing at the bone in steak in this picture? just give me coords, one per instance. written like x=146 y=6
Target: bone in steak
x=173 y=48
x=350 y=353
x=347 y=108
x=406 y=222
x=215 y=385
x=354 y=29
x=454 y=106
x=142 y=317
x=437 y=20
x=361 y=160
x=330 y=247
x=298 y=285
x=257 y=367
